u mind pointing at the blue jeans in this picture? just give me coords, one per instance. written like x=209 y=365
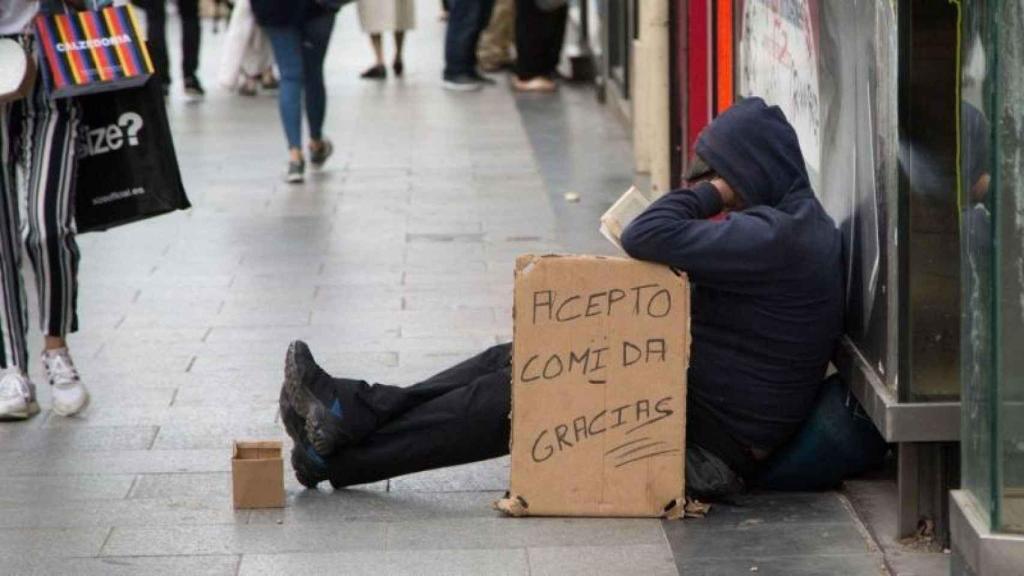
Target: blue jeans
x=299 y=52
x=466 y=20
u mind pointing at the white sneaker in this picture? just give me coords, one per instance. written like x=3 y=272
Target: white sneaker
x=17 y=396
x=69 y=394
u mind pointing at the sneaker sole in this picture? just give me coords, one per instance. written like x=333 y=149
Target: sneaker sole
x=322 y=429
x=294 y=179
x=69 y=413
x=28 y=412
x=461 y=87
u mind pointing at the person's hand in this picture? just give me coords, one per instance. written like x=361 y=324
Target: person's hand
x=730 y=200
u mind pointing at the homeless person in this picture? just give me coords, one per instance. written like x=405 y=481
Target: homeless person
x=767 y=314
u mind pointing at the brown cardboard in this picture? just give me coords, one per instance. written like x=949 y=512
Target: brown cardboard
x=257 y=474
x=599 y=388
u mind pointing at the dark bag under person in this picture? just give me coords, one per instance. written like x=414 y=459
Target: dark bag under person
x=127 y=168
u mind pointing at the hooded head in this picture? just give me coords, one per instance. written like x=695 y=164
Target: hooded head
x=755 y=149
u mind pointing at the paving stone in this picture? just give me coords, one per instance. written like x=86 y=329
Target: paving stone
x=852 y=565
x=58 y=442
x=372 y=502
x=57 y=513
x=243 y=539
x=521 y=533
x=126 y=566
x=490 y=475
x=690 y=539
x=22 y=491
x=36 y=543
x=650 y=560
x=393 y=563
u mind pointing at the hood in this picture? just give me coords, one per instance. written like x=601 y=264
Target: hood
x=755 y=149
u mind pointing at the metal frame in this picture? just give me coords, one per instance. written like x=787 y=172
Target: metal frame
x=975 y=547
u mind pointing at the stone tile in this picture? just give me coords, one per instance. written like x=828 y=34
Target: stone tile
x=243 y=539
x=756 y=509
x=852 y=565
x=126 y=566
x=60 y=441
x=691 y=539
x=56 y=513
x=393 y=563
x=490 y=475
x=31 y=543
x=116 y=462
x=30 y=490
x=521 y=533
x=374 y=504
x=649 y=559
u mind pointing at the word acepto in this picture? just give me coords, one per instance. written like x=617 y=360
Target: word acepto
x=651 y=300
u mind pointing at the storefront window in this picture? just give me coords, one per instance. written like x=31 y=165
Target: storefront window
x=992 y=196
x=831 y=66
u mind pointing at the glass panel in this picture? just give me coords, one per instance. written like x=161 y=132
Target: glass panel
x=831 y=66
x=1008 y=185
x=992 y=165
x=929 y=227
x=977 y=353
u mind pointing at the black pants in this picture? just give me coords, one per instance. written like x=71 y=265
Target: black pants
x=156 y=30
x=539 y=39
x=462 y=415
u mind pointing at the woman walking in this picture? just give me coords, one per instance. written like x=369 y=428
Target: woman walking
x=37 y=158
x=299 y=32
x=378 y=17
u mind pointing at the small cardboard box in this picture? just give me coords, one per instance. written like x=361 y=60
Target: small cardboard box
x=599 y=388
x=257 y=474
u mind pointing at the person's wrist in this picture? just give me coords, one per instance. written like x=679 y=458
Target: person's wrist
x=725 y=192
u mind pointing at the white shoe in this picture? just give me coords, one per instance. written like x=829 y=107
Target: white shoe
x=17 y=396
x=69 y=394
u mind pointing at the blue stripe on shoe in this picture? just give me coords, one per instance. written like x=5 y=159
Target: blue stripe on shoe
x=316 y=458
x=336 y=408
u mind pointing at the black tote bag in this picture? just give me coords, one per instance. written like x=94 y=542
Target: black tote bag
x=127 y=169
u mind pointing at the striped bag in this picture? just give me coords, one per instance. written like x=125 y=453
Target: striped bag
x=91 y=51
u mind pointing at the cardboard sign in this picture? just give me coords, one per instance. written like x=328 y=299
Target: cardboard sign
x=257 y=475
x=599 y=388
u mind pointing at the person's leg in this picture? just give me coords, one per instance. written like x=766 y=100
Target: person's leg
x=378 y=71
x=191 y=35
x=13 y=319
x=51 y=145
x=461 y=37
x=340 y=411
x=316 y=38
x=467 y=424
x=286 y=44
x=553 y=30
x=399 y=47
x=156 y=38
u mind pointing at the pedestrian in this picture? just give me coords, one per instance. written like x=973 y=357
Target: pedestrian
x=247 y=62
x=540 y=34
x=767 y=314
x=494 y=50
x=38 y=144
x=299 y=32
x=466 y=20
x=156 y=40
x=379 y=16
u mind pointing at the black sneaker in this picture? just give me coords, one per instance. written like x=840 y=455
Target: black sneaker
x=462 y=83
x=296 y=172
x=483 y=80
x=310 y=469
x=193 y=89
x=334 y=415
x=318 y=156
x=378 y=72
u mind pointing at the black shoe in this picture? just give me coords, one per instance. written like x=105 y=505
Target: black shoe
x=318 y=156
x=310 y=469
x=296 y=172
x=378 y=72
x=333 y=413
x=462 y=83
x=193 y=88
x=484 y=80
x=398 y=66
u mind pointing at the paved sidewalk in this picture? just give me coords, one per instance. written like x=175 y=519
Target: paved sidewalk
x=393 y=262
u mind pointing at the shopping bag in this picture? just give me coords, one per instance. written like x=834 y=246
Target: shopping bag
x=91 y=51
x=127 y=169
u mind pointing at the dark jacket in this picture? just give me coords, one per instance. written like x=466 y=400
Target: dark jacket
x=767 y=280
x=285 y=13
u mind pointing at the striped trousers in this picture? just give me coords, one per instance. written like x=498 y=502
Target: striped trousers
x=38 y=139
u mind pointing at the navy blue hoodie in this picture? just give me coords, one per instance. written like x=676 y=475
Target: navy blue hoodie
x=767 y=280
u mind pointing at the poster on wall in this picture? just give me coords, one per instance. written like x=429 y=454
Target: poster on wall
x=780 y=64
